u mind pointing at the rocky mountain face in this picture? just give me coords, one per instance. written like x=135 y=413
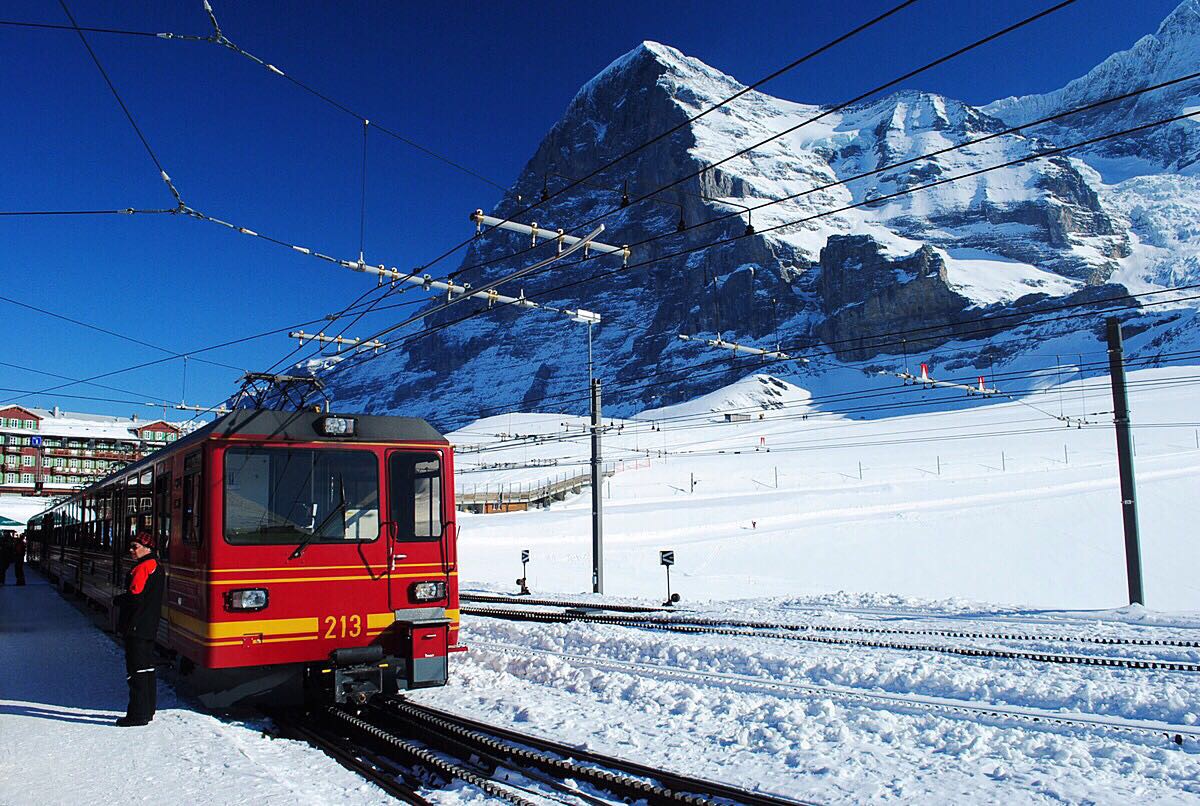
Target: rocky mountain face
x=834 y=252
x=1173 y=51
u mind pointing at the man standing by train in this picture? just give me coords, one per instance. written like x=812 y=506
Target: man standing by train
x=137 y=620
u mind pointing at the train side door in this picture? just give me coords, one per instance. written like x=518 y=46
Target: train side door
x=414 y=528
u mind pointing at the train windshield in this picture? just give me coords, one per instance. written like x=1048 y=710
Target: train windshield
x=289 y=495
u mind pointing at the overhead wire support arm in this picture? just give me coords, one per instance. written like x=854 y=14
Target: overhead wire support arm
x=547 y=234
x=979 y=388
x=742 y=348
x=321 y=338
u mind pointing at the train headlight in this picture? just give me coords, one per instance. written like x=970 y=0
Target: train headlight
x=336 y=426
x=248 y=599
x=428 y=591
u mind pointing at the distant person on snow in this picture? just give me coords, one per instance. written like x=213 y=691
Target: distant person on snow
x=137 y=620
x=18 y=557
x=6 y=553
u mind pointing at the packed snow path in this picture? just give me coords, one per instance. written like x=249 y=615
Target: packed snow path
x=62 y=684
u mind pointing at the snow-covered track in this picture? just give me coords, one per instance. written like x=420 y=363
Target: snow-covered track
x=898 y=613
x=371 y=765
x=793 y=633
x=423 y=756
x=615 y=775
x=783 y=625
x=1157 y=732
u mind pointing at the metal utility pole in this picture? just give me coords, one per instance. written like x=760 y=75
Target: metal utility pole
x=1133 y=552
x=597 y=498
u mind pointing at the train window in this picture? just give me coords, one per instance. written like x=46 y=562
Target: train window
x=192 y=510
x=286 y=495
x=415 y=495
x=162 y=509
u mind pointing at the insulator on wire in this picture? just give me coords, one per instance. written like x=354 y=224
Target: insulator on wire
x=680 y=225
x=625 y=194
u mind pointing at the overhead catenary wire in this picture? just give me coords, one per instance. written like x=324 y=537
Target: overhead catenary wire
x=113 y=333
x=120 y=102
x=49 y=374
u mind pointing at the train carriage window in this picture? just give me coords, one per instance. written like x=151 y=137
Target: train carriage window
x=415 y=495
x=162 y=509
x=293 y=496
x=192 y=512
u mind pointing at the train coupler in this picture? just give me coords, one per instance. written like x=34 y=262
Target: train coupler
x=355 y=675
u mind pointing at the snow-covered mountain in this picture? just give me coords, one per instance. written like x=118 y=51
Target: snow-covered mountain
x=1172 y=52
x=834 y=258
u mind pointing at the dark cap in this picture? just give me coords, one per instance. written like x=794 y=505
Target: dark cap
x=142 y=539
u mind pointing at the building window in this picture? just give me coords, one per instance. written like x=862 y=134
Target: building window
x=27 y=478
x=26 y=461
x=31 y=425
x=10 y=478
x=87 y=463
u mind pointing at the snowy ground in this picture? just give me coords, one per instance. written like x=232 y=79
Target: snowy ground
x=781 y=715
x=999 y=502
x=62 y=683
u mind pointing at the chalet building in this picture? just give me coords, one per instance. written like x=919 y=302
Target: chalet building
x=51 y=452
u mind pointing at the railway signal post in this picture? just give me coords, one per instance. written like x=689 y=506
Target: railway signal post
x=523 y=581
x=667 y=559
x=1133 y=551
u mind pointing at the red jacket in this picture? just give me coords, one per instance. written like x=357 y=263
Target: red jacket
x=141 y=603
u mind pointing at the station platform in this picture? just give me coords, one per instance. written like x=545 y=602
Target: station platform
x=62 y=685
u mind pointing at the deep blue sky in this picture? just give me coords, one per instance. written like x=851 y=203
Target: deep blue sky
x=480 y=83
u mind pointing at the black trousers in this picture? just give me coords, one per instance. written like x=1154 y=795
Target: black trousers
x=20 y=570
x=5 y=560
x=139 y=668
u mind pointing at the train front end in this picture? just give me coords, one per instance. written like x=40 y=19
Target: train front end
x=328 y=567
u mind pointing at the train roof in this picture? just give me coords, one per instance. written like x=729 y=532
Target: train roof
x=301 y=426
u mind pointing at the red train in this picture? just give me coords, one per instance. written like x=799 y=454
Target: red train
x=307 y=554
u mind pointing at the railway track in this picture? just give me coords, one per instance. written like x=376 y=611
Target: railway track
x=375 y=767
x=399 y=746
x=620 y=777
x=764 y=625
x=793 y=632
x=1158 y=732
